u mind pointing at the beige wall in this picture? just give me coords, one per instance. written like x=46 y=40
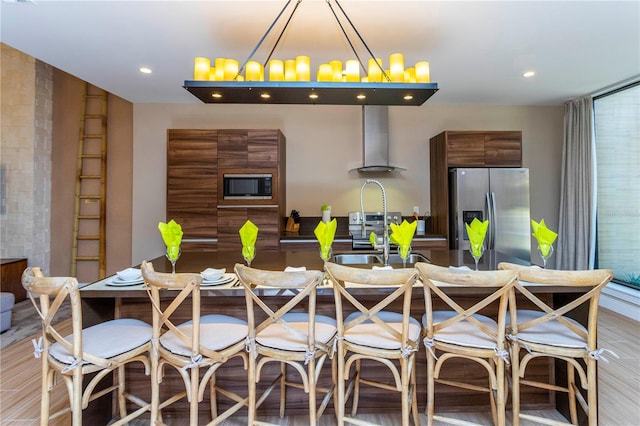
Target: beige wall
x=68 y=100
x=324 y=142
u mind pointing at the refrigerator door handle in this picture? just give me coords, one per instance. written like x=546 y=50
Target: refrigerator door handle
x=491 y=213
x=494 y=233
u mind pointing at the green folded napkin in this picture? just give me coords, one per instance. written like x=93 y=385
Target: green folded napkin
x=172 y=235
x=248 y=236
x=402 y=235
x=476 y=231
x=544 y=236
x=325 y=233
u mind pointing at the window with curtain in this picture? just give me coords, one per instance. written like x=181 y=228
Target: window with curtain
x=617 y=140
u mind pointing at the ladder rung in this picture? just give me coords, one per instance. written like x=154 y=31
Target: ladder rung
x=89 y=237
x=89 y=197
x=93 y=116
x=94 y=96
x=91 y=258
x=90 y=177
x=93 y=136
x=91 y=155
x=89 y=217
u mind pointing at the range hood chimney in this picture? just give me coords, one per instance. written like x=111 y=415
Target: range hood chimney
x=375 y=140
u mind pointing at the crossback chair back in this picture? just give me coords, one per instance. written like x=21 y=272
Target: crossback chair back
x=465 y=332
x=191 y=347
x=549 y=331
x=71 y=357
x=379 y=331
x=280 y=332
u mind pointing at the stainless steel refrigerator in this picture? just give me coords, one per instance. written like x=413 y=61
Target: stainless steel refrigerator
x=500 y=195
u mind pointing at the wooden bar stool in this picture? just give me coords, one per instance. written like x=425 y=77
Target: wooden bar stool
x=375 y=333
x=201 y=345
x=463 y=333
x=101 y=349
x=550 y=332
x=291 y=334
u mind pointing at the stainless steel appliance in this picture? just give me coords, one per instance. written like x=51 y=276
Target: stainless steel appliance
x=247 y=186
x=374 y=222
x=500 y=195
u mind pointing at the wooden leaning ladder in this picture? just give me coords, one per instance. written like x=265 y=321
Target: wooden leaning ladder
x=89 y=218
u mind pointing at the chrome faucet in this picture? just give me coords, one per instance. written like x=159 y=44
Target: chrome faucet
x=385 y=226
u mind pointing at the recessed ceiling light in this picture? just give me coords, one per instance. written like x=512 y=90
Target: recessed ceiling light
x=408 y=97
x=216 y=95
x=313 y=96
x=361 y=97
x=528 y=74
x=145 y=70
x=265 y=95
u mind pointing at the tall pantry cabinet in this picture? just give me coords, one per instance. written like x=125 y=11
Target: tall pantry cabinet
x=197 y=160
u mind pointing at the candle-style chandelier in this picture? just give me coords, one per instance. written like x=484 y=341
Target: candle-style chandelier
x=289 y=82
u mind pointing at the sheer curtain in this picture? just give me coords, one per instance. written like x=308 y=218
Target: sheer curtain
x=576 y=231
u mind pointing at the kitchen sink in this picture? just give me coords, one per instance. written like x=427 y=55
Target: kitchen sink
x=413 y=258
x=355 y=258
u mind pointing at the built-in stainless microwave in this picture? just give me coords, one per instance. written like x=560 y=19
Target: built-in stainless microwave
x=247 y=186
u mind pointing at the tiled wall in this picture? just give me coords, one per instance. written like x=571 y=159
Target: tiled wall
x=25 y=157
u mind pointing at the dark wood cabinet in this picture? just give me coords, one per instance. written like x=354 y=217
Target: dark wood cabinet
x=252 y=151
x=192 y=181
x=231 y=219
x=481 y=149
x=451 y=149
x=249 y=149
x=11 y=277
x=196 y=162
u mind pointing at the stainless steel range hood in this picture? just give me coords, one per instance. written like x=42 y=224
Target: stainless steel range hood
x=375 y=140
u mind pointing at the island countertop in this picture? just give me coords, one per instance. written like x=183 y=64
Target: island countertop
x=194 y=262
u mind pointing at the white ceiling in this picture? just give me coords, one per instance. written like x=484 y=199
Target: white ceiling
x=477 y=49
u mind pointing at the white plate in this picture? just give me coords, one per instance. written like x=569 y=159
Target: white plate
x=226 y=278
x=117 y=282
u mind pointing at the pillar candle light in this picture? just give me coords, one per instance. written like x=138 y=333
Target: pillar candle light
x=303 y=68
x=375 y=70
x=230 y=69
x=252 y=71
x=219 y=65
x=422 y=72
x=201 y=68
x=290 y=70
x=353 y=70
x=276 y=70
x=396 y=66
x=324 y=73
x=336 y=70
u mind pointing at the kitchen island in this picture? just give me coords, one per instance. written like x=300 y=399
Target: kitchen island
x=101 y=301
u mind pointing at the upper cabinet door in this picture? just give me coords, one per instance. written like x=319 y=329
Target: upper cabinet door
x=465 y=149
x=233 y=149
x=503 y=149
x=263 y=148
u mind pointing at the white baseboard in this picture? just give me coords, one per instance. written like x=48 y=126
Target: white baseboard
x=621 y=299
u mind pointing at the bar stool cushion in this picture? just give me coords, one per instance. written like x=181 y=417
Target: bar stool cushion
x=277 y=336
x=107 y=339
x=216 y=332
x=549 y=333
x=369 y=334
x=463 y=333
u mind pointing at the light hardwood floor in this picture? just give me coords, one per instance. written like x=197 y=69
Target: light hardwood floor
x=619 y=380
